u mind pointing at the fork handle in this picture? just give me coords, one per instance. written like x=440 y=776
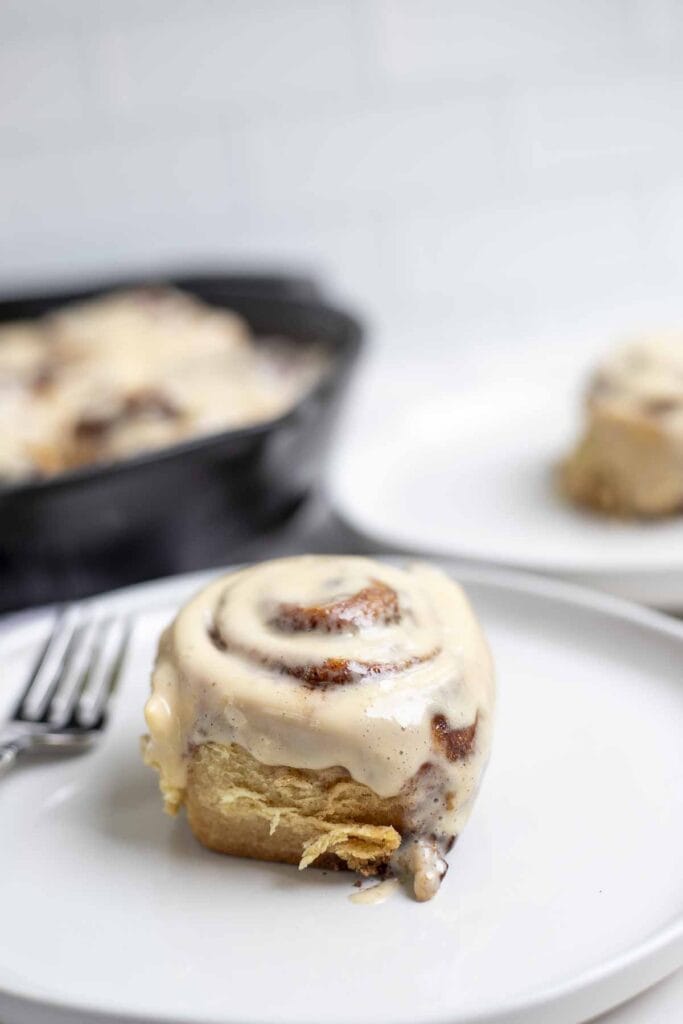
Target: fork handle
x=8 y=755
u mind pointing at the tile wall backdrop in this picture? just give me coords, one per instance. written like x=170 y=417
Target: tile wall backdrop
x=477 y=170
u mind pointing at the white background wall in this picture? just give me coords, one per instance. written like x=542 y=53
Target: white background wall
x=479 y=169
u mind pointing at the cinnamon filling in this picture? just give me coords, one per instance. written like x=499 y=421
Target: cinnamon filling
x=43 y=378
x=374 y=605
x=330 y=672
x=455 y=744
x=143 y=404
x=662 y=406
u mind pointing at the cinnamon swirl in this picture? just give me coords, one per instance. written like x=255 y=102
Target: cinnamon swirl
x=629 y=461
x=325 y=710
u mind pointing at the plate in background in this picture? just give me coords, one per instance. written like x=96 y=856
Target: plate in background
x=563 y=896
x=472 y=474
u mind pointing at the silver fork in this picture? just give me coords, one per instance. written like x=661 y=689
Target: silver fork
x=65 y=703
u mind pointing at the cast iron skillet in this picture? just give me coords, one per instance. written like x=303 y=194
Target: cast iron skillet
x=191 y=505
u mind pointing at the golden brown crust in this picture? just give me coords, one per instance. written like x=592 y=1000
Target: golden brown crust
x=624 y=466
x=238 y=806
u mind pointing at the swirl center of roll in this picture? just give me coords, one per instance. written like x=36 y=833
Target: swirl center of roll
x=324 y=630
x=376 y=604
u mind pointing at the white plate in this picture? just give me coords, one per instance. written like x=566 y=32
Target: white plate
x=563 y=897
x=471 y=475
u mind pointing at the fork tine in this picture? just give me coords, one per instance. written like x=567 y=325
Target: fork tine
x=106 y=666
x=54 y=648
x=61 y=672
x=76 y=671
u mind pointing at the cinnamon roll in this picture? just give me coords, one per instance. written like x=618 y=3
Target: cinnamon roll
x=325 y=710
x=629 y=461
x=131 y=372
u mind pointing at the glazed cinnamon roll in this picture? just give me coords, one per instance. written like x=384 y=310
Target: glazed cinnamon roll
x=629 y=461
x=136 y=371
x=325 y=710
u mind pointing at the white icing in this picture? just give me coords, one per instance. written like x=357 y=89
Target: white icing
x=376 y=893
x=641 y=373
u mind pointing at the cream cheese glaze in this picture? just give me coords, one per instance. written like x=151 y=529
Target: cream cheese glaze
x=644 y=376
x=324 y=661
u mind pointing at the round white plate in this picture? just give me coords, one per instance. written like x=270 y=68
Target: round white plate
x=472 y=475
x=563 y=898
